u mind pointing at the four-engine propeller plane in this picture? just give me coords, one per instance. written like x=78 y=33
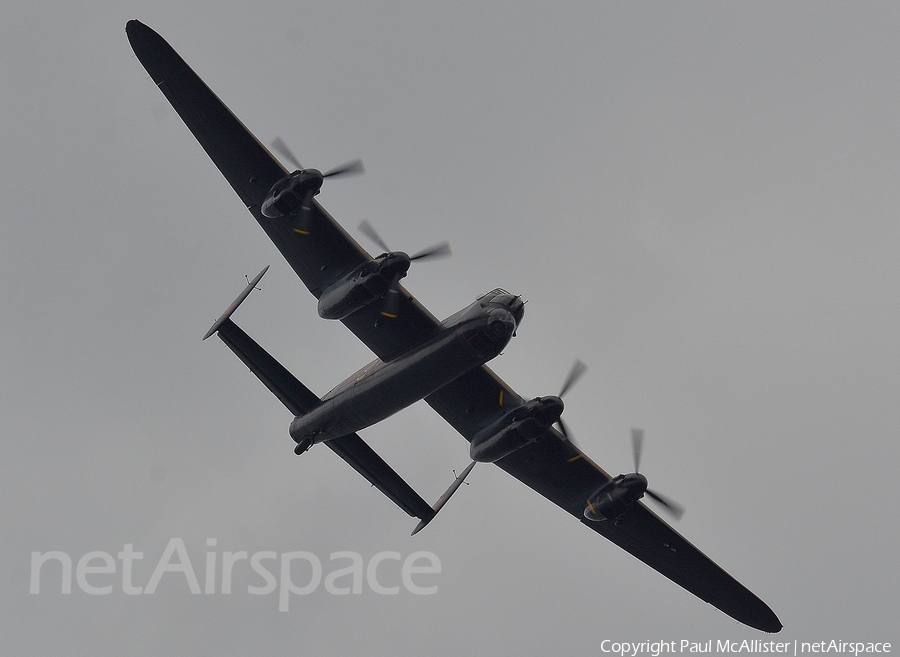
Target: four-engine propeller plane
x=419 y=357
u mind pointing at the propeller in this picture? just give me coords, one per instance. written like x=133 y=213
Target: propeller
x=391 y=306
x=436 y=250
x=313 y=180
x=637 y=446
x=353 y=166
x=578 y=369
x=279 y=145
x=366 y=227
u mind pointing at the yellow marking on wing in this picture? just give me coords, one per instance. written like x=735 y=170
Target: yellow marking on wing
x=389 y=315
x=302 y=232
x=575 y=458
x=501 y=396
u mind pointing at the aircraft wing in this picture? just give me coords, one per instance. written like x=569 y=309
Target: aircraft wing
x=559 y=471
x=319 y=258
x=552 y=467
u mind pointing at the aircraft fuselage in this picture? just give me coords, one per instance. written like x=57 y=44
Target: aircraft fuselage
x=467 y=340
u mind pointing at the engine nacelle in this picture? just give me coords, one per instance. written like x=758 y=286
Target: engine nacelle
x=519 y=427
x=366 y=284
x=615 y=497
x=289 y=194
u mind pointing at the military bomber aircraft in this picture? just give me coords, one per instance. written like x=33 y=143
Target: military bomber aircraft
x=418 y=356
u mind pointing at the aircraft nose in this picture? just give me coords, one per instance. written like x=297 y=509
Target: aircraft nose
x=517 y=308
x=501 y=323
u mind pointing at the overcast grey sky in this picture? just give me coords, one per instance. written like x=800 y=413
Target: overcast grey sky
x=699 y=200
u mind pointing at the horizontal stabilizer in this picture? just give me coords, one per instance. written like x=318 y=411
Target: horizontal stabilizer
x=299 y=400
x=366 y=462
x=294 y=395
x=442 y=500
x=237 y=302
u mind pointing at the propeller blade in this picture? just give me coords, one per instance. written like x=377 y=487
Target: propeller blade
x=391 y=307
x=578 y=368
x=369 y=230
x=565 y=432
x=674 y=508
x=356 y=166
x=303 y=224
x=436 y=251
x=279 y=145
x=637 y=446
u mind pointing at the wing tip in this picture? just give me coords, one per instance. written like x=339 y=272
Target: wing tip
x=135 y=29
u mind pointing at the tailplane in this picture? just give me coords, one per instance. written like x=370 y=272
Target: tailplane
x=299 y=400
x=293 y=394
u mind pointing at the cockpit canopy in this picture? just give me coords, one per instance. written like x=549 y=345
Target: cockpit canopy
x=502 y=298
x=487 y=297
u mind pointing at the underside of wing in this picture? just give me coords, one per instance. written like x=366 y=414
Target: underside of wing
x=318 y=258
x=559 y=471
x=650 y=539
x=320 y=255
